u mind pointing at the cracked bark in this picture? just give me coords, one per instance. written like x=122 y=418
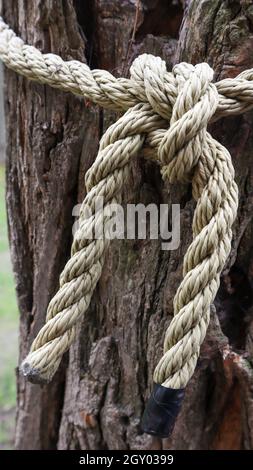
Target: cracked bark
x=96 y=399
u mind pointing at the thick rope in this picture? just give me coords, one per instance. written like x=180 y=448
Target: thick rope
x=168 y=113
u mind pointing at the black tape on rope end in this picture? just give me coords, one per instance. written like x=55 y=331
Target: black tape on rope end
x=161 y=411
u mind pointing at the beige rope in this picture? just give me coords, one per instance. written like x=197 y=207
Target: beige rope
x=168 y=113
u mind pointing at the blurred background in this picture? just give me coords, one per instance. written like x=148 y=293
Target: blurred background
x=8 y=309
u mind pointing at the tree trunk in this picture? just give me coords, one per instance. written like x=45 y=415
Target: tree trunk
x=97 y=397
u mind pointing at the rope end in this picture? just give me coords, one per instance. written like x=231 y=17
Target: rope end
x=162 y=410
x=32 y=374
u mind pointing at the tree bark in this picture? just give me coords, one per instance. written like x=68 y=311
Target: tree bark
x=96 y=399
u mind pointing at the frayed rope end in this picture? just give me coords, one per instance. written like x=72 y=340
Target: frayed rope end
x=32 y=374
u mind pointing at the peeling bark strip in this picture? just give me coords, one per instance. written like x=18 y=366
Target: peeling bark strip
x=97 y=398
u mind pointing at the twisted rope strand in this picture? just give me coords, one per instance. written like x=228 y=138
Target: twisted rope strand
x=168 y=113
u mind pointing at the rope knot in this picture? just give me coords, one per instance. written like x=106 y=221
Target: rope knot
x=185 y=98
